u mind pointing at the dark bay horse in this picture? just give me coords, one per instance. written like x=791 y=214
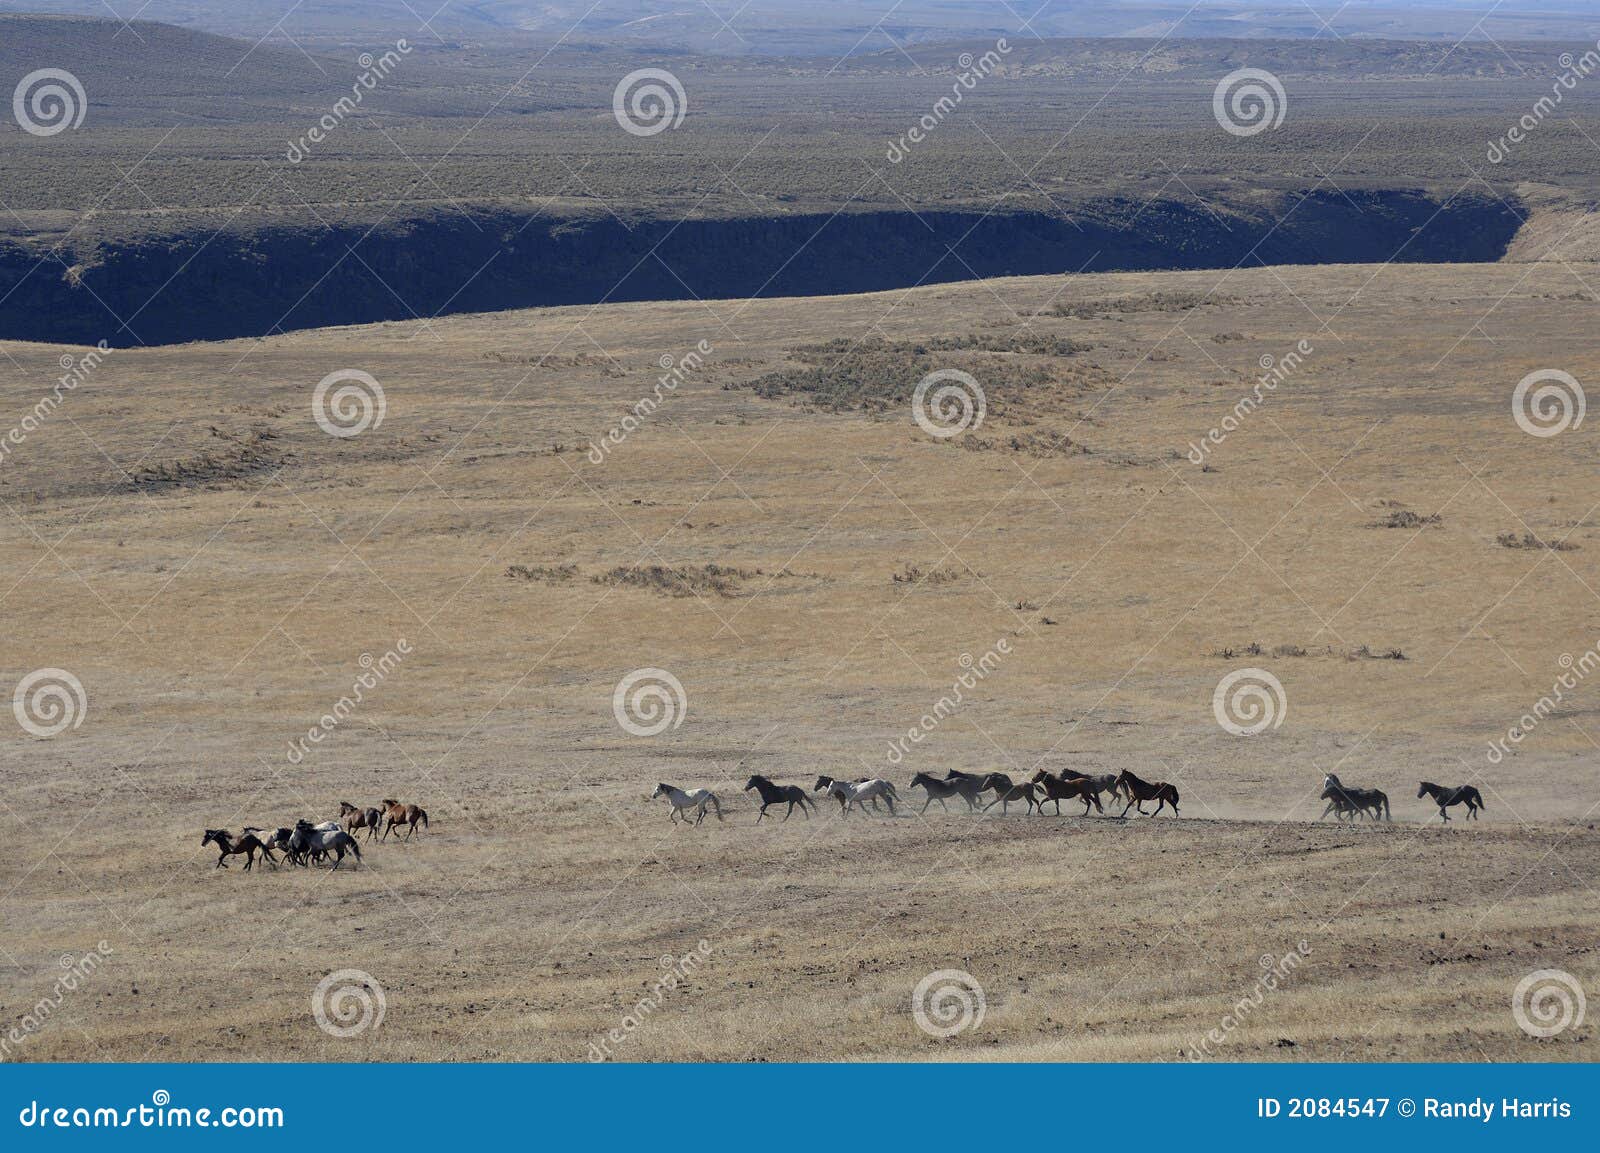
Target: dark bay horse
x=1060 y=789
x=1139 y=791
x=775 y=794
x=1460 y=795
x=1005 y=792
x=230 y=845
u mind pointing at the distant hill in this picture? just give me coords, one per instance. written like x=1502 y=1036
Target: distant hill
x=147 y=69
x=838 y=27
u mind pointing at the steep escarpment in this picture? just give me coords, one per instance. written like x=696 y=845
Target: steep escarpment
x=205 y=284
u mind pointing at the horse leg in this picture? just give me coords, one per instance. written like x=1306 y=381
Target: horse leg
x=1125 y=809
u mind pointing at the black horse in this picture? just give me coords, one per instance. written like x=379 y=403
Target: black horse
x=967 y=788
x=1460 y=795
x=775 y=794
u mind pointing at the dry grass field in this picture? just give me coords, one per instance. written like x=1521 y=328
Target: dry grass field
x=183 y=538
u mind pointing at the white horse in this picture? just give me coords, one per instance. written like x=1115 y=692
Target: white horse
x=851 y=793
x=680 y=800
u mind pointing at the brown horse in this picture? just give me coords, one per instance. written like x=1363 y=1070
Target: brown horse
x=1139 y=791
x=1005 y=792
x=1059 y=789
x=352 y=818
x=397 y=814
x=244 y=844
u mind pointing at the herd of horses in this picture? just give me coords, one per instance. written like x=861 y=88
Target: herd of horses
x=1041 y=789
x=1348 y=803
x=306 y=842
x=1345 y=802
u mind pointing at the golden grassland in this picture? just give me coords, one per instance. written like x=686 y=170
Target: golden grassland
x=182 y=537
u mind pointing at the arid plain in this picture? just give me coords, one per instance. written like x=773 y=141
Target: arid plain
x=183 y=537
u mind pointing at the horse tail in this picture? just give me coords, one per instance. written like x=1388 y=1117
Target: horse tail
x=716 y=804
x=1477 y=796
x=354 y=848
x=1386 y=815
x=422 y=815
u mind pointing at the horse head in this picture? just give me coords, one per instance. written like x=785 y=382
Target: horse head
x=753 y=783
x=213 y=835
x=661 y=790
x=822 y=783
x=1422 y=789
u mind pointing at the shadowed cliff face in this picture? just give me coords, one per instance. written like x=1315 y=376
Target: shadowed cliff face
x=204 y=286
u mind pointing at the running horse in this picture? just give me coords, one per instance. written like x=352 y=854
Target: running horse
x=682 y=800
x=1460 y=795
x=964 y=787
x=1063 y=788
x=396 y=814
x=851 y=793
x=1138 y=791
x=1005 y=792
x=352 y=818
x=776 y=794
x=241 y=845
